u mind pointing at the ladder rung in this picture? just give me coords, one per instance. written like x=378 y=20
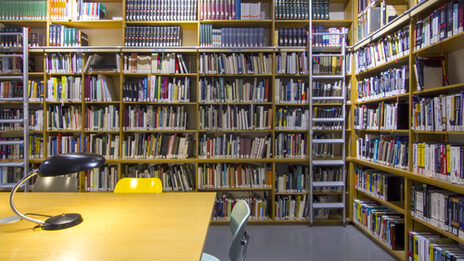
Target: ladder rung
x=321 y=141
x=12 y=121
x=18 y=77
x=11 y=142
x=328 y=162
x=328 y=184
x=11 y=55
x=329 y=205
x=12 y=164
x=335 y=76
x=327 y=119
x=11 y=99
x=328 y=98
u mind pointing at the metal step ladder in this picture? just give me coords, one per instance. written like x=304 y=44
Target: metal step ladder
x=335 y=137
x=19 y=52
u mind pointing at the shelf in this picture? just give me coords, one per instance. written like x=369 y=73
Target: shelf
x=158 y=131
x=447 y=45
x=436 y=182
x=26 y=23
x=101 y=102
x=102 y=131
x=234 y=160
x=384 y=131
x=234 y=189
x=293 y=75
x=396 y=206
x=439 y=132
x=172 y=103
x=156 y=161
x=91 y=24
x=290 y=193
x=234 y=75
x=64 y=131
x=291 y=104
x=236 y=131
x=295 y=160
x=220 y=49
x=391 y=64
x=436 y=229
x=238 y=22
x=235 y=103
x=441 y=89
x=397 y=171
x=291 y=130
x=159 y=74
x=389 y=98
x=338 y=23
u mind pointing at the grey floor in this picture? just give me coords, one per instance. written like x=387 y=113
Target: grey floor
x=298 y=242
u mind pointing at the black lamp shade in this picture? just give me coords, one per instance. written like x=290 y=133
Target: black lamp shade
x=70 y=163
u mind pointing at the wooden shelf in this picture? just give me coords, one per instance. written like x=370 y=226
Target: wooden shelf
x=199 y=160
x=234 y=75
x=384 y=131
x=436 y=229
x=439 y=132
x=236 y=131
x=397 y=171
x=157 y=161
x=447 y=45
x=91 y=24
x=396 y=206
x=441 y=89
x=35 y=24
x=159 y=74
x=338 y=23
x=290 y=193
x=237 y=22
x=436 y=182
x=173 y=103
x=235 y=103
x=234 y=189
x=391 y=64
x=158 y=131
x=389 y=98
x=291 y=104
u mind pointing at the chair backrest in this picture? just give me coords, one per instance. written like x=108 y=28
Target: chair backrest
x=238 y=221
x=139 y=185
x=55 y=184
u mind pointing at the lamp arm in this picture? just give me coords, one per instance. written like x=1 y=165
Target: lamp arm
x=13 y=191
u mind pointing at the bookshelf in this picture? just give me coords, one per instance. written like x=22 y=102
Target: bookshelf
x=417 y=226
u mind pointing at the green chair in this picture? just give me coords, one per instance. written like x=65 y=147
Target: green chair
x=238 y=221
x=139 y=185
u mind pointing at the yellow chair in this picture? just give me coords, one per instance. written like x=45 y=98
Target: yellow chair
x=139 y=185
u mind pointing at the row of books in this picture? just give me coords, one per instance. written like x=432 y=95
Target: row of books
x=64 y=117
x=438 y=207
x=381 y=222
x=376 y=16
x=327 y=89
x=439 y=160
x=234 y=147
x=76 y=10
x=443 y=113
x=151 y=36
x=63 y=63
x=103 y=144
x=330 y=174
x=232 y=117
x=11 y=151
x=103 y=178
x=292 y=63
x=10 y=175
x=154 y=63
x=36 y=38
x=141 y=117
x=65 y=88
x=320 y=9
x=235 y=63
x=154 y=10
x=429 y=246
x=384 y=149
x=291 y=91
x=288 y=118
x=326 y=150
x=63 y=144
x=157 y=89
x=294 y=179
x=60 y=35
x=11 y=89
x=98 y=88
x=35 y=90
x=332 y=38
x=293 y=36
x=291 y=10
x=224 y=175
x=292 y=207
x=36 y=120
x=23 y=10
x=327 y=65
x=259 y=205
x=386 y=49
x=387 y=84
x=381 y=185
x=290 y=146
x=234 y=90
x=11 y=64
x=156 y=146
x=231 y=37
x=230 y=10
x=386 y=116
x=36 y=148
x=102 y=118
x=443 y=22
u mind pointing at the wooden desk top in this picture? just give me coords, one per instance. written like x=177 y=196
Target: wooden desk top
x=167 y=226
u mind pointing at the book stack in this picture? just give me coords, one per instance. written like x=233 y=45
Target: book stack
x=66 y=88
x=63 y=144
x=11 y=152
x=442 y=113
x=36 y=149
x=292 y=207
x=330 y=174
x=35 y=91
x=234 y=147
x=103 y=144
x=295 y=179
x=152 y=36
x=235 y=117
x=292 y=63
x=320 y=9
x=290 y=146
x=10 y=175
x=429 y=246
x=293 y=36
x=11 y=89
x=106 y=118
x=63 y=36
x=235 y=63
x=63 y=63
x=151 y=10
x=443 y=22
x=156 y=146
x=386 y=49
x=291 y=91
x=329 y=40
x=239 y=90
x=76 y=10
x=23 y=10
x=67 y=117
x=231 y=37
x=98 y=88
x=158 y=89
x=327 y=65
x=384 y=224
x=384 y=186
x=154 y=63
x=386 y=116
x=291 y=10
x=36 y=120
x=230 y=10
x=387 y=84
x=10 y=40
x=103 y=178
x=384 y=149
x=149 y=117
x=225 y=175
x=290 y=118
x=259 y=205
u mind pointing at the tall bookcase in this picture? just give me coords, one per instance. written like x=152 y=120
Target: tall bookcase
x=108 y=38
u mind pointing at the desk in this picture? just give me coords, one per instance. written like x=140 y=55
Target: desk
x=167 y=226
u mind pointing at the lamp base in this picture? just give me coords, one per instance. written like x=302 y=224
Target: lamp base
x=62 y=221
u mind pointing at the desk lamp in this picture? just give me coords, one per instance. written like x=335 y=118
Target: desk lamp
x=54 y=166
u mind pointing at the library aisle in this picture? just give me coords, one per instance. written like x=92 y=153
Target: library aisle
x=299 y=242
